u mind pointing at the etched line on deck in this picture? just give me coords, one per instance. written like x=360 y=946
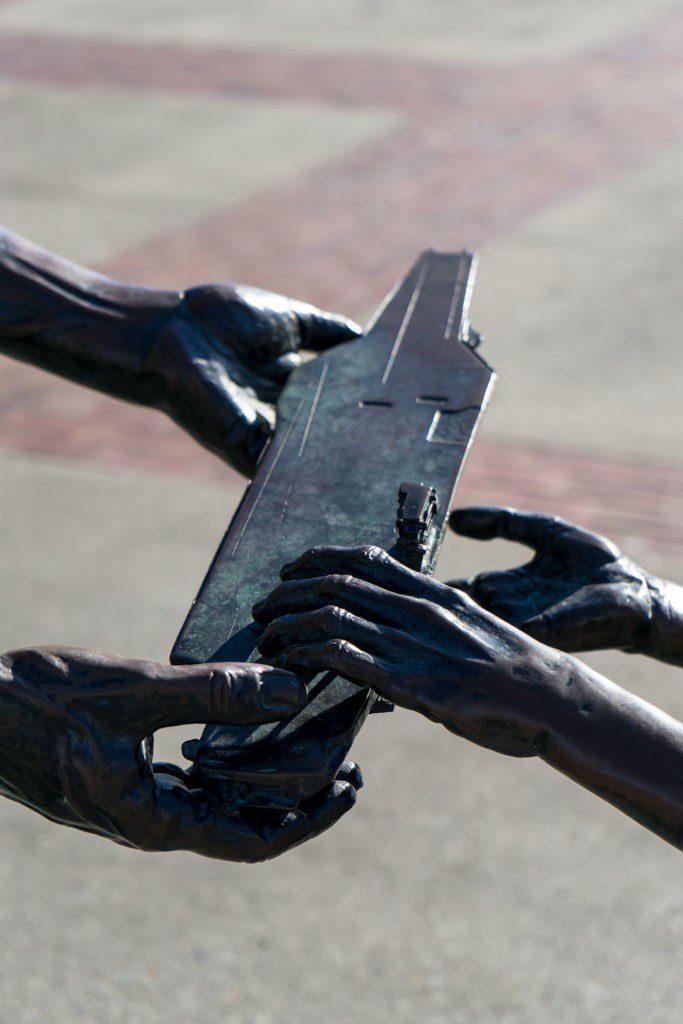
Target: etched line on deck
x=314 y=406
x=284 y=507
x=267 y=477
x=460 y=280
x=404 y=326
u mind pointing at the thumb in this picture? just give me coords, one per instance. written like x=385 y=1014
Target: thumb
x=256 y=437
x=486 y=522
x=230 y=426
x=589 y=620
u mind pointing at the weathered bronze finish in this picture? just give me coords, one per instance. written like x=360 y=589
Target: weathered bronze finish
x=214 y=357
x=428 y=646
x=578 y=592
x=354 y=428
x=72 y=722
x=469 y=656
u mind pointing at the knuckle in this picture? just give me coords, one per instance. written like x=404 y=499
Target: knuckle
x=371 y=554
x=463 y=603
x=222 y=690
x=332 y=617
x=435 y=615
x=329 y=585
x=457 y=598
x=337 y=648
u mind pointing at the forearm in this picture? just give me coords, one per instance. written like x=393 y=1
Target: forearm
x=621 y=748
x=78 y=324
x=665 y=640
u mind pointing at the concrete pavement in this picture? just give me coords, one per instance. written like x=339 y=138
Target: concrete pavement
x=462 y=887
x=314 y=148
x=467 y=31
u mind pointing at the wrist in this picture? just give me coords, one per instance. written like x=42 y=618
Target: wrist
x=567 y=697
x=527 y=709
x=167 y=335
x=164 y=351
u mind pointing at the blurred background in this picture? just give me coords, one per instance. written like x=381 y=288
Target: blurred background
x=314 y=148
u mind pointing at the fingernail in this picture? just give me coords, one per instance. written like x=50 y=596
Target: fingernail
x=343 y=791
x=189 y=749
x=281 y=693
x=350 y=772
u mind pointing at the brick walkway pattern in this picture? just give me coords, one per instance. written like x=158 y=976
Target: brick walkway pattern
x=478 y=149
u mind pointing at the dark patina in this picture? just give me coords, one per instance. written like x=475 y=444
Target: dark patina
x=370 y=437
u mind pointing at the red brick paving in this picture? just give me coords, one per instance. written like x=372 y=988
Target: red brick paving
x=457 y=173
x=478 y=149
x=638 y=503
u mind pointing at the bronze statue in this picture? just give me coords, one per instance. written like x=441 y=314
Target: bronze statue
x=72 y=723
x=357 y=431
x=430 y=647
x=578 y=592
x=487 y=658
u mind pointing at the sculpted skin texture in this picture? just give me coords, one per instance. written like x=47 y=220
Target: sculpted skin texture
x=489 y=658
x=73 y=723
x=503 y=680
x=368 y=448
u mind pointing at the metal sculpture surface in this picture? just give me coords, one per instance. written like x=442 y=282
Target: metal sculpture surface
x=430 y=647
x=485 y=657
x=215 y=358
x=369 y=444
